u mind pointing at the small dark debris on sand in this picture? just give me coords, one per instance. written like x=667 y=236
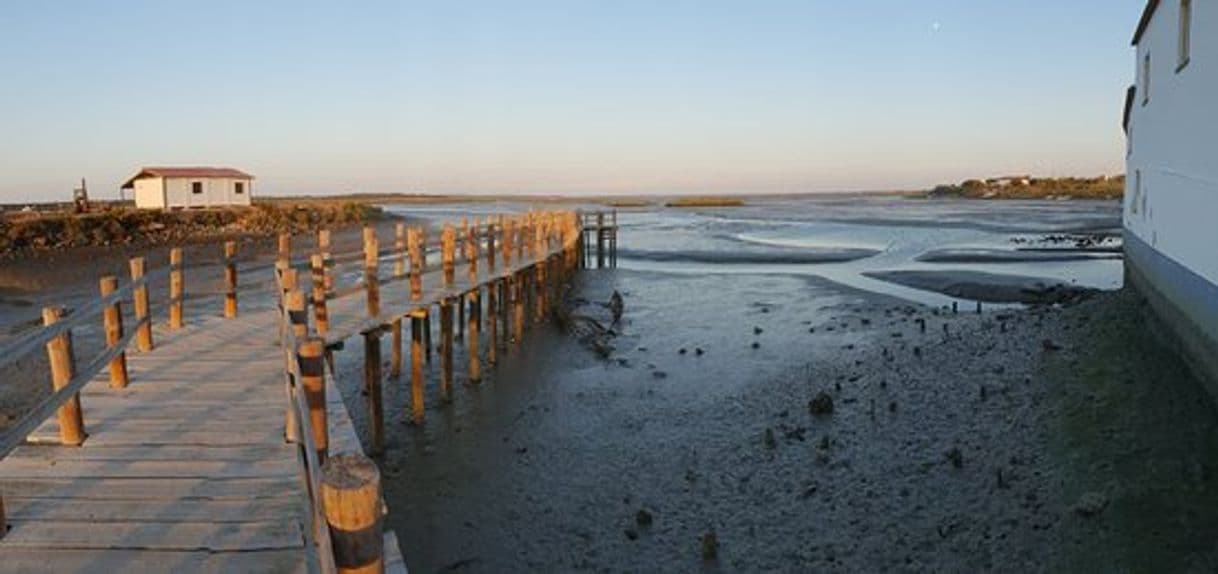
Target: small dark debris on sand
x=710 y=546
x=642 y=517
x=1090 y=504
x=821 y=404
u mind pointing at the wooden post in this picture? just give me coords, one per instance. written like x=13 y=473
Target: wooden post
x=448 y=246
x=539 y=270
x=505 y=296
x=395 y=361
x=230 y=279
x=59 y=354
x=471 y=252
x=446 y=350
x=3 y=519
x=427 y=334
x=416 y=364
x=297 y=312
x=471 y=344
x=327 y=259
x=418 y=256
x=399 y=250
x=285 y=248
x=372 y=382
x=143 y=326
x=175 y=288
x=492 y=327
x=518 y=283
x=460 y=319
x=112 y=321
x=351 y=497
x=490 y=245
x=371 y=268
x=600 y=239
x=321 y=315
x=311 y=355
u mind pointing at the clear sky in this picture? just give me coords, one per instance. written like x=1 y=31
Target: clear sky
x=562 y=96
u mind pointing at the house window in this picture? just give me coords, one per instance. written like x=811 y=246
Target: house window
x=1146 y=79
x=1186 y=25
x=239 y=187
x=196 y=187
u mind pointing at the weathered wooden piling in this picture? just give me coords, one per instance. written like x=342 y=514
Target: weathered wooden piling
x=59 y=355
x=418 y=254
x=3 y=518
x=446 y=350
x=112 y=323
x=327 y=259
x=492 y=321
x=371 y=268
x=176 y=288
x=297 y=309
x=600 y=240
x=230 y=279
x=472 y=343
x=518 y=291
x=416 y=364
x=311 y=355
x=399 y=250
x=351 y=497
x=395 y=353
x=372 y=384
x=321 y=314
x=284 y=252
x=143 y=333
x=448 y=246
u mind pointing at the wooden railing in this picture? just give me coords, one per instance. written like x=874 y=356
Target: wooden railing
x=528 y=256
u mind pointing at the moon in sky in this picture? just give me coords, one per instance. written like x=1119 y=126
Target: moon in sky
x=934 y=27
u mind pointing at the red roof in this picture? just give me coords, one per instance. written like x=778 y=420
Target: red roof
x=1147 y=14
x=202 y=172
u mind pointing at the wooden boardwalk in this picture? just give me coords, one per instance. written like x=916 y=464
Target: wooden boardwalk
x=186 y=469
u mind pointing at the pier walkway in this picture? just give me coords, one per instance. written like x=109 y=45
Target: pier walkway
x=224 y=446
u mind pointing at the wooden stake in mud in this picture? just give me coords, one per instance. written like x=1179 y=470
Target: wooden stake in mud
x=395 y=361
x=175 y=288
x=112 y=321
x=416 y=364
x=600 y=240
x=471 y=344
x=321 y=314
x=371 y=281
x=539 y=271
x=351 y=497
x=3 y=519
x=143 y=323
x=460 y=320
x=311 y=355
x=399 y=250
x=492 y=317
x=372 y=382
x=427 y=334
x=59 y=354
x=518 y=284
x=446 y=350
x=230 y=279
x=297 y=311
x=490 y=245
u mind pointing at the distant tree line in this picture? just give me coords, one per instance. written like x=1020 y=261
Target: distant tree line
x=1028 y=187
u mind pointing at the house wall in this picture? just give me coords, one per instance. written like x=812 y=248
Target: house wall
x=150 y=193
x=217 y=192
x=1171 y=214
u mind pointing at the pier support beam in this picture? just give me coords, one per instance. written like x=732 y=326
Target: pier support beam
x=446 y=350
x=471 y=345
x=417 y=324
x=372 y=384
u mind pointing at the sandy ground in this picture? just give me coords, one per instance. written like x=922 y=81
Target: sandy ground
x=1051 y=439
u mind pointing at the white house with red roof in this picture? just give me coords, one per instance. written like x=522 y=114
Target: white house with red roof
x=190 y=187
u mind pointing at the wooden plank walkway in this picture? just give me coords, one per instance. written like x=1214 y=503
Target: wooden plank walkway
x=186 y=469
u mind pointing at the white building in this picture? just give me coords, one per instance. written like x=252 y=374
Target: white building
x=1171 y=194
x=186 y=187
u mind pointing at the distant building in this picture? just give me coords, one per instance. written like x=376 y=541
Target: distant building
x=190 y=187
x=1171 y=189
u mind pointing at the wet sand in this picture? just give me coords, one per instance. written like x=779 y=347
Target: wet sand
x=1016 y=440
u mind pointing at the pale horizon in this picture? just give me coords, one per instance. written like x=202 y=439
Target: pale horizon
x=550 y=98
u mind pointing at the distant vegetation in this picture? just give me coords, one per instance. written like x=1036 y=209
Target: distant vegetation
x=705 y=202
x=1027 y=187
x=28 y=232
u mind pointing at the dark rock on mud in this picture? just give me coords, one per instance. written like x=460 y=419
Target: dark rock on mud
x=821 y=404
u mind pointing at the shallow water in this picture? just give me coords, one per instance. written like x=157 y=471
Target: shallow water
x=842 y=239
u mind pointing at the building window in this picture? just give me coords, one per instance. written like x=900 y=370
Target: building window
x=1146 y=79
x=1186 y=28
x=196 y=187
x=239 y=187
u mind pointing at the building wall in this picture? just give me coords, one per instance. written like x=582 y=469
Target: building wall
x=1173 y=141
x=150 y=193
x=217 y=192
x=1171 y=199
